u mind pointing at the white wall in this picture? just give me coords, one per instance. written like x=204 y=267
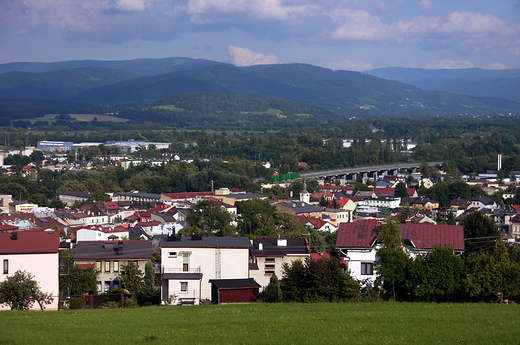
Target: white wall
x=44 y=267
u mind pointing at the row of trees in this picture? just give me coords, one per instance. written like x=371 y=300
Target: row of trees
x=481 y=274
x=257 y=218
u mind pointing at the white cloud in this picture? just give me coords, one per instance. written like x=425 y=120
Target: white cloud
x=245 y=57
x=449 y=64
x=497 y=65
x=359 y=25
x=203 y=11
x=352 y=65
x=425 y=5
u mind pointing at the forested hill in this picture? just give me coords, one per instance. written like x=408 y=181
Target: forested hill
x=229 y=103
x=342 y=92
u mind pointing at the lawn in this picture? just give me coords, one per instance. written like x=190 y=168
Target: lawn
x=339 y=323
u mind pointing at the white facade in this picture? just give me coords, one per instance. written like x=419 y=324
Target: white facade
x=44 y=268
x=96 y=235
x=189 y=269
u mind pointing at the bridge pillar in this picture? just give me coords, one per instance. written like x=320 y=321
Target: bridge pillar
x=394 y=172
x=365 y=178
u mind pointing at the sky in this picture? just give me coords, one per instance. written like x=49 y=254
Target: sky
x=338 y=34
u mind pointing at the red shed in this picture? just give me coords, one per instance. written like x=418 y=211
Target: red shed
x=234 y=290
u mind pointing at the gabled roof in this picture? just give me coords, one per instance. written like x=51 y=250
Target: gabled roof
x=110 y=205
x=356 y=235
x=427 y=236
x=245 y=283
x=29 y=242
x=121 y=250
x=76 y=193
x=421 y=236
x=385 y=191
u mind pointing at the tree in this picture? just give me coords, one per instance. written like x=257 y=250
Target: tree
x=400 y=191
x=131 y=277
x=438 y=275
x=82 y=280
x=20 y=291
x=273 y=291
x=451 y=219
x=405 y=213
x=99 y=196
x=318 y=280
x=392 y=261
x=149 y=278
x=210 y=216
x=480 y=232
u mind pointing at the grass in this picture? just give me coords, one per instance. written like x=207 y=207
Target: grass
x=323 y=323
x=168 y=107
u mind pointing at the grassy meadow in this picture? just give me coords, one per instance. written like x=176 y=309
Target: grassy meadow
x=322 y=323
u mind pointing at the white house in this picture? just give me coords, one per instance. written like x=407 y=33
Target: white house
x=37 y=253
x=189 y=263
x=358 y=243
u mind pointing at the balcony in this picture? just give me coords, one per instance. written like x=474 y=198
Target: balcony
x=180 y=270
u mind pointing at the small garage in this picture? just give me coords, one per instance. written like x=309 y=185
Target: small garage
x=234 y=290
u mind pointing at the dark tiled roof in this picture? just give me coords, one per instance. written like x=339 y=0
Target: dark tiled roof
x=271 y=248
x=29 y=242
x=187 y=276
x=208 y=242
x=98 y=250
x=235 y=283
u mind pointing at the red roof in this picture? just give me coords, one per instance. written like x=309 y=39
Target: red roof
x=148 y=224
x=343 y=201
x=427 y=236
x=385 y=191
x=411 y=191
x=110 y=205
x=422 y=236
x=85 y=266
x=356 y=235
x=6 y=227
x=516 y=207
x=29 y=242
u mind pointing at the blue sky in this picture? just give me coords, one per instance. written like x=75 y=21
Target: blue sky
x=338 y=34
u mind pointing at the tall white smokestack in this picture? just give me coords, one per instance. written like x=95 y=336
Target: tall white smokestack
x=499 y=162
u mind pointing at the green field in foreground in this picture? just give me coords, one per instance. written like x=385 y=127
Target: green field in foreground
x=338 y=323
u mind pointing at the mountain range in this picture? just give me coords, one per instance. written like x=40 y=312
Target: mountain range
x=137 y=82
x=469 y=81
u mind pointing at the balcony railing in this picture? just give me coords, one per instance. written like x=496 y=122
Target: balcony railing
x=180 y=270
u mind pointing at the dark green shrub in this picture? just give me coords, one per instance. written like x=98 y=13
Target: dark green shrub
x=131 y=304
x=118 y=290
x=76 y=303
x=110 y=305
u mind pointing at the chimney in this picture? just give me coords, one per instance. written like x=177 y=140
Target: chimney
x=260 y=246
x=14 y=236
x=281 y=242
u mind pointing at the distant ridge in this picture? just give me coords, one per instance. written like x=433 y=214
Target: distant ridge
x=345 y=93
x=469 y=81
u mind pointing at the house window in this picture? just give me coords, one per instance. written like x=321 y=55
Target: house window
x=116 y=266
x=136 y=263
x=107 y=286
x=185 y=262
x=184 y=286
x=270 y=272
x=6 y=266
x=98 y=286
x=269 y=259
x=367 y=268
x=116 y=284
x=107 y=266
x=269 y=266
x=173 y=254
x=98 y=267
